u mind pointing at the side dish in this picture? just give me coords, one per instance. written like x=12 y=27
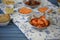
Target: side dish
x=4 y=19
x=8 y=2
x=25 y=10
x=9 y=10
x=40 y=22
x=32 y=3
x=43 y=9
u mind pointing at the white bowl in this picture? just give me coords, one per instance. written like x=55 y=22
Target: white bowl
x=4 y=24
x=2 y=16
x=25 y=14
x=36 y=26
x=37 y=15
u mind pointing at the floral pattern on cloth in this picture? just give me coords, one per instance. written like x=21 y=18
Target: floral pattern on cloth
x=52 y=32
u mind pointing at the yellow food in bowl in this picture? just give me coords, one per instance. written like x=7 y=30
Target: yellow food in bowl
x=4 y=18
x=9 y=10
x=8 y=2
x=25 y=10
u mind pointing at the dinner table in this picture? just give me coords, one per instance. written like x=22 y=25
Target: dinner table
x=12 y=32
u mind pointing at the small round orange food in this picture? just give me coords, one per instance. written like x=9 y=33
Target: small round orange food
x=34 y=21
x=43 y=9
x=25 y=10
x=40 y=21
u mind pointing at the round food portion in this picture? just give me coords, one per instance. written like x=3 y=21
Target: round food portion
x=40 y=23
x=46 y=22
x=25 y=10
x=32 y=3
x=34 y=21
x=4 y=18
x=9 y=10
x=43 y=9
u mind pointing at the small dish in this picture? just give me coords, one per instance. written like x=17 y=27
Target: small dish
x=25 y=11
x=39 y=22
x=32 y=3
x=8 y=2
x=4 y=19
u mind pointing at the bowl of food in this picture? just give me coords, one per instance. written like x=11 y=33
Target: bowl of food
x=8 y=2
x=32 y=3
x=25 y=11
x=4 y=19
x=43 y=9
x=40 y=23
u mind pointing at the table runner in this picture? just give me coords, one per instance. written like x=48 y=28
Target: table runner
x=52 y=32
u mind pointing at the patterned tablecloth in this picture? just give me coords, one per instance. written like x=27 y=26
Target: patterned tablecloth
x=52 y=32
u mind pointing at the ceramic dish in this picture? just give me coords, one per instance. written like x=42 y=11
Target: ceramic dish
x=37 y=18
x=4 y=24
x=4 y=19
x=39 y=3
x=30 y=13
